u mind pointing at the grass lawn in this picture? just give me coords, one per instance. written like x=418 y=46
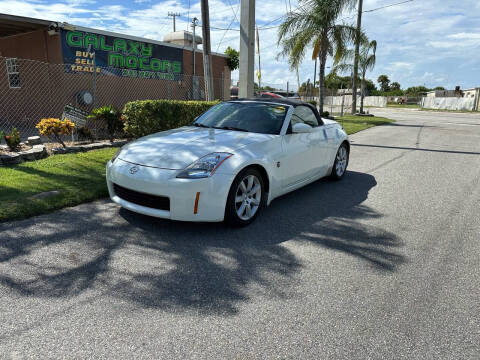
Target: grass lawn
x=78 y=177
x=353 y=124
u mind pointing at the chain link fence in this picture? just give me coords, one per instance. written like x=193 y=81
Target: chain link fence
x=32 y=90
x=336 y=101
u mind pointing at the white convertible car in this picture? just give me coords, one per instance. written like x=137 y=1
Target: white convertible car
x=232 y=161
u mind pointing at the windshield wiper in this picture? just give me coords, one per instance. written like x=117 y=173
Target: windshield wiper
x=201 y=125
x=230 y=128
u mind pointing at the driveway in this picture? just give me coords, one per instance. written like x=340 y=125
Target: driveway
x=384 y=264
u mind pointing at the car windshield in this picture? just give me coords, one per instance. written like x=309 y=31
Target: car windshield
x=245 y=116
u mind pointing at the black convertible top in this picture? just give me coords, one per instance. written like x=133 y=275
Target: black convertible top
x=285 y=101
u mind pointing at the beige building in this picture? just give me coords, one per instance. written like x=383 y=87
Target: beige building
x=471 y=93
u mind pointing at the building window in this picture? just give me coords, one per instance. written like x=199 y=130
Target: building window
x=13 y=74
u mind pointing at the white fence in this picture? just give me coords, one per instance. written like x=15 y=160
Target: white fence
x=373 y=101
x=450 y=103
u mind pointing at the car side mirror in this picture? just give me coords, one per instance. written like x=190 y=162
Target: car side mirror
x=301 y=128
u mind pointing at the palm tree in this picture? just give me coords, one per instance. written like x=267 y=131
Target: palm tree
x=295 y=56
x=366 y=62
x=313 y=24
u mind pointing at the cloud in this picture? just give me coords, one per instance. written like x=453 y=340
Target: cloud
x=414 y=39
x=463 y=35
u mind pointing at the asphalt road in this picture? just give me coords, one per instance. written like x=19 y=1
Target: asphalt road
x=382 y=265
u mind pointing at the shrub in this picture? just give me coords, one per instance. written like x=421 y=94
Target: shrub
x=313 y=102
x=112 y=118
x=146 y=117
x=85 y=133
x=55 y=128
x=12 y=140
x=233 y=58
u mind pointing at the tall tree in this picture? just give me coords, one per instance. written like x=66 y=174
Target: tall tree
x=313 y=23
x=366 y=62
x=395 y=86
x=384 y=83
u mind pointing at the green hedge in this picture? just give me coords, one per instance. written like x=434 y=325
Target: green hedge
x=145 y=117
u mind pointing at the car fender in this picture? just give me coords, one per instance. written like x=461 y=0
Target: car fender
x=261 y=154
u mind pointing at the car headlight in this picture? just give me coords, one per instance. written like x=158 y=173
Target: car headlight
x=116 y=155
x=205 y=166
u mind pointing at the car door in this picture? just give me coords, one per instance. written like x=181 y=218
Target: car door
x=303 y=154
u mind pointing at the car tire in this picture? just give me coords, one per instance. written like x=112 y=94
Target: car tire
x=341 y=162
x=245 y=199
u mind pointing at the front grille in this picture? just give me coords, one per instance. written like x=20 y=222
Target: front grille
x=147 y=200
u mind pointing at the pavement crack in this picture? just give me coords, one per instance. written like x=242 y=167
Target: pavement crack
x=389 y=161
x=419 y=135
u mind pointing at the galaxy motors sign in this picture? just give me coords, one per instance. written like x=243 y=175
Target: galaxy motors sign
x=118 y=56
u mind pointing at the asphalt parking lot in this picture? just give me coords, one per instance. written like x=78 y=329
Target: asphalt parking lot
x=384 y=264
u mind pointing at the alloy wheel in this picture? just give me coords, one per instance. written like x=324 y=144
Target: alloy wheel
x=341 y=163
x=248 y=197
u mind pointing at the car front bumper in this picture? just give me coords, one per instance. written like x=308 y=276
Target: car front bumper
x=182 y=193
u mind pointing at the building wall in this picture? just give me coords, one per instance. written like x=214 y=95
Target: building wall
x=376 y=101
x=35 y=45
x=46 y=87
x=444 y=93
x=449 y=103
x=220 y=75
x=471 y=92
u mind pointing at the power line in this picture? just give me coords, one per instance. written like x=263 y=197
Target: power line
x=345 y=18
x=229 y=26
x=387 y=6
x=264 y=25
x=234 y=13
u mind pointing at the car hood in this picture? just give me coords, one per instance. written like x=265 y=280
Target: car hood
x=329 y=122
x=178 y=148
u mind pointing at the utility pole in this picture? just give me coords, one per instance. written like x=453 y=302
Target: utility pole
x=91 y=50
x=247 y=48
x=174 y=15
x=194 y=51
x=194 y=43
x=357 y=56
x=259 y=76
x=207 y=63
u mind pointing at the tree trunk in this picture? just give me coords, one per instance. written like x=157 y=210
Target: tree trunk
x=321 y=86
x=59 y=139
x=321 y=78
x=298 y=79
x=315 y=79
x=322 y=57
x=362 y=94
